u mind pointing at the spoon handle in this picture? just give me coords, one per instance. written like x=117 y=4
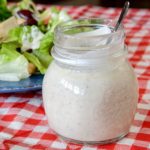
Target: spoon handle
x=122 y=15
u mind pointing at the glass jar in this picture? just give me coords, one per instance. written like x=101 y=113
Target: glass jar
x=90 y=91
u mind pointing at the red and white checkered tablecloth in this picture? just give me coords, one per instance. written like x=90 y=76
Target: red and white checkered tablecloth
x=23 y=124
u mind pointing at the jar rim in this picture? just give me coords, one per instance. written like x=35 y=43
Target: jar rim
x=75 y=50
x=70 y=23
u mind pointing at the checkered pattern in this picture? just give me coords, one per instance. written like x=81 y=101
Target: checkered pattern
x=23 y=124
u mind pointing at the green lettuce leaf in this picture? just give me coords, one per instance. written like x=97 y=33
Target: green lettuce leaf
x=43 y=53
x=4 y=12
x=25 y=4
x=9 y=51
x=57 y=17
x=13 y=65
x=33 y=59
x=14 y=35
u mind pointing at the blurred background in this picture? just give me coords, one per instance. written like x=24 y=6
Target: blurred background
x=104 y=3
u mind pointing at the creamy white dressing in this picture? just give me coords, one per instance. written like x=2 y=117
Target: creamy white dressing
x=32 y=40
x=90 y=105
x=101 y=31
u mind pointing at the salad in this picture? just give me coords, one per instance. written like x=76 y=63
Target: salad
x=26 y=38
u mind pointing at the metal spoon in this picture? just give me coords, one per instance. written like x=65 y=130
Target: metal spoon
x=122 y=16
